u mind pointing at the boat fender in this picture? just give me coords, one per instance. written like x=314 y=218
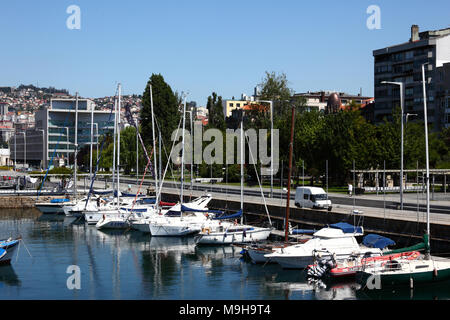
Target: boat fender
x=435 y=272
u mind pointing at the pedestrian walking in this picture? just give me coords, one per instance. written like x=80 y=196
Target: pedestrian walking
x=350 y=189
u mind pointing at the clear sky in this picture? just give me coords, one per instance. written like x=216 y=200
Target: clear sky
x=201 y=46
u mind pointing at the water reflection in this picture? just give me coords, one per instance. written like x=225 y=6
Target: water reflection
x=9 y=277
x=118 y=264
x=431 y=291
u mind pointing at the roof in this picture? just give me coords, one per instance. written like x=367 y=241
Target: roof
x=314 y=190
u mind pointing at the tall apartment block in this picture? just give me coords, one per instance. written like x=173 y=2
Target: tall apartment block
x=403 y=63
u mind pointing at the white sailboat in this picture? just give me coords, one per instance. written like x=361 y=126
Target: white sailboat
x=187 y=221
x=218 y=231
x=114 y=219
x=338 y=241
x=426 y=269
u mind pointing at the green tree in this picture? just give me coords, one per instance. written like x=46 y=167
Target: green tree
x=165 y=106
x=215 y=110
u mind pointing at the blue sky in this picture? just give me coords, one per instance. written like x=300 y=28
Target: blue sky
x=202 y=46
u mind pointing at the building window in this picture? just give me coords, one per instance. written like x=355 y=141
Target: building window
x=409 y=54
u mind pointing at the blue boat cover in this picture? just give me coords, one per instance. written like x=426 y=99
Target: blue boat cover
x=59 y=200
x=186 y=209
x=125 y=194
x=147 y=201
x=235 y=215
x=2 y=253
x=346 y=227
x=303 y=231
x=377 y=241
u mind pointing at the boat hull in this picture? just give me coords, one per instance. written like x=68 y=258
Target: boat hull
x=167 y=230
x=215 y=238
x=420 y=273
x=50 y=208
x=10 y=247
x=257 y=255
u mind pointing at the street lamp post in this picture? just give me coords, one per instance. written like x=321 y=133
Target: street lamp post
x=402 y=88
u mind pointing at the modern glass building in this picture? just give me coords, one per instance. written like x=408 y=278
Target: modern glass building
x=58 y=123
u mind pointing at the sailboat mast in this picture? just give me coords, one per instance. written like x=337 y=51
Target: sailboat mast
x=118 y=147
x=182 y=149
x=92 y=141
x=288 y=199
x=427 y=160
x=242 y=166
x=154 y=149
x=114 y=147
x=76 y=149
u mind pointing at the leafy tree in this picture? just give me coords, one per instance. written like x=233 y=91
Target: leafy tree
x=215 y=110
x=165 y=106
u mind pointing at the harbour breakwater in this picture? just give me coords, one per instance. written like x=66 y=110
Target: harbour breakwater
x=19 y=202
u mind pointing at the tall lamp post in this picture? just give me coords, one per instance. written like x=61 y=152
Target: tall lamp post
x=402 y=94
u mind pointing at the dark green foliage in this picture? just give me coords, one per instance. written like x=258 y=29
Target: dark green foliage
x=165 y=107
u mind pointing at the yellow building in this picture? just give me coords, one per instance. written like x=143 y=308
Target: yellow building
x=230 y=105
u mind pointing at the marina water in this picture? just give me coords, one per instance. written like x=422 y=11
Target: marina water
x=132 y=265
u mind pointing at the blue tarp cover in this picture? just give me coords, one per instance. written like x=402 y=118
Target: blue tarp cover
x=377 y=241
x=186 y=209
x=59 y=200
x=346 y=227
x=235 y=215
x=303 y=231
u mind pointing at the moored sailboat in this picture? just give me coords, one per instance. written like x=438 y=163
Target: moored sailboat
x=427 y=268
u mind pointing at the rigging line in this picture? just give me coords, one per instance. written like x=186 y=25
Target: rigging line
x=140 y=185
x=99 y=157
x=257 y=176
x=53 y=155
x=168 y=161
x=164 y=146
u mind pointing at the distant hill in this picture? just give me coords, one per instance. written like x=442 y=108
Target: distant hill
x=49 y=90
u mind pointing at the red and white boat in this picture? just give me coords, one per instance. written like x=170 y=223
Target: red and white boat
x=349 y=267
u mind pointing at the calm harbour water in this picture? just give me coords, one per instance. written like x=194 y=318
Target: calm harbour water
x=132 y=265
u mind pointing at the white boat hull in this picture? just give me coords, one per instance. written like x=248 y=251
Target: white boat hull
x=257 y=256
x=113 y=223
x=173 y=230
x=257 y=234
x=92 y=217
x=47 y=208
x=10 y=250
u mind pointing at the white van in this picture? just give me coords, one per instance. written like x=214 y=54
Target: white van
x=312 y=197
